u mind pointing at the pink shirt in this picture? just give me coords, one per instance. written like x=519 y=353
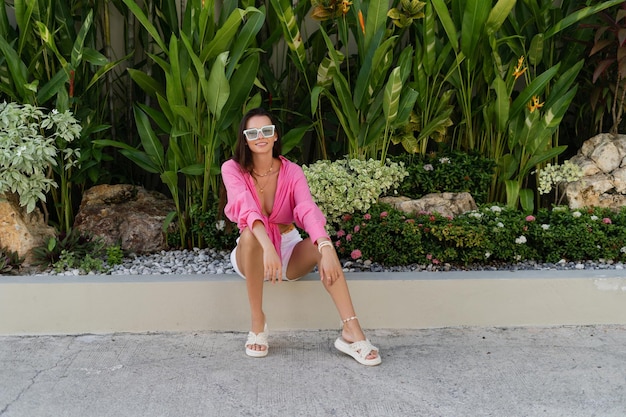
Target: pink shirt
x=293 y=202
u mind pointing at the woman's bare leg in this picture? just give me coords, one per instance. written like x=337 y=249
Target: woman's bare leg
x=249 y=256
x=304 y=257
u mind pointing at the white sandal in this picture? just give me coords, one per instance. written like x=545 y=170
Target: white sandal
x=358 y=350
x=257 y=339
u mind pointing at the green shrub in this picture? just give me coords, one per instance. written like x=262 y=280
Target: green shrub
x=489 y=235
x=351 y=185
x=216 y=231
x=451 y=171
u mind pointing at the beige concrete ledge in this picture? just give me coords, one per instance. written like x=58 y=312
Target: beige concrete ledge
x=34 y=305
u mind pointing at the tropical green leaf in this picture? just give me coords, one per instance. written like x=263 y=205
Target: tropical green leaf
x=474 y=18
x=218 y=86
x=224 y=36
x=527 y=200
x=148 y=84
x=293 y=138
x=579 y=15
x=145 y=22
x=149 y=141
x=534 y=88
x=391 y=99
x=291 y=32
x=375 y=23
x=241 y=84
x=79 y=44
x=246 y=36
x=498 y=15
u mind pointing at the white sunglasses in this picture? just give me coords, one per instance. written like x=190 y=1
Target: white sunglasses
x=265 y=131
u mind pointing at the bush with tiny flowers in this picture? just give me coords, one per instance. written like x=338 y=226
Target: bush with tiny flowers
x=489 y=235
x=351 y=185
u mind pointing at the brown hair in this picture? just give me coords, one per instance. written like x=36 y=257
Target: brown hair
x=242 y=154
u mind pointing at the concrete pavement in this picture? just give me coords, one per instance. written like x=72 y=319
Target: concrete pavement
x=525 y=371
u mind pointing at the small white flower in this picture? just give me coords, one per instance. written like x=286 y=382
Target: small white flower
x=444 y=160
x=520 y=240
x=576 y=214
x=623 y=249
x=518 y=257
x=55 y=111
x=594 y=218
x=220 y=225
x=545 y=226
x=499 y=224
x=428 y=167
x=487 y=255
x=496 y=209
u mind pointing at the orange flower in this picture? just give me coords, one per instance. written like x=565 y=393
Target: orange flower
x=519 y=71
x=534 y=104
x=362 y=21
x=345 y=6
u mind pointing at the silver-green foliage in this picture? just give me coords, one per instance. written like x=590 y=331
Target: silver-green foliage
x=351 y=185
x=31 y=141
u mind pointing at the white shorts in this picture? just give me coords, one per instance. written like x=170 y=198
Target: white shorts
x=288 y=241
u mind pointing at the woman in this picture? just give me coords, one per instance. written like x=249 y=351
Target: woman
x=266 y=194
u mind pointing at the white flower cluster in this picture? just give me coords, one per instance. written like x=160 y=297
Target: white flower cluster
x=349 y=185
x=30 y=141
x=553 y=175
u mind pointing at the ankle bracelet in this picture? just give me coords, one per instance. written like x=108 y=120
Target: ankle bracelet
x=344 y=321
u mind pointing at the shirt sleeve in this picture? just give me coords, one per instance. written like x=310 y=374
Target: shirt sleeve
x=306 y=213
x=241 y=207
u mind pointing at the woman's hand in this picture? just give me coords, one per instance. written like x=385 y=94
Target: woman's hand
x=329 y=266
x=272 y=265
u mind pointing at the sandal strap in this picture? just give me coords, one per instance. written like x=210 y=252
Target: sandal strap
x=257 y=339
x=363 y=348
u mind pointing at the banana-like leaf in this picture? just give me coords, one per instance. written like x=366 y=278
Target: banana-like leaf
x=218 y=86
x=564 y=83
x=498 y=15
x=103 y=70
x=52 y=87
x=157 y=116
x=372 y=72
x=96 y=58
x=148 y=84
x=527 y=200
x=535 y=53
x=391 y=99
x=79 y=44
x=17 y=69
x=145 y=22
x=149 y=141
x=501 y=104
x=430 y=41
x=241 y=84
x=293 y=138
x=48 y=39
x=224 y=36
x=474 y=18
x=375 y=23
x=141 y=159
x=291 y=32
x=579 y=15
x=534 y=88
x=512 y=193
x=246 y=37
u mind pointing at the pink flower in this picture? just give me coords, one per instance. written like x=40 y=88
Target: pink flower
x=436 y=261
x=367 y=216
x=341 y=233
x=356 y=254
x=384 y=214
x=429 y=256
x=338 y=243
x=357 y=228
x=530 y=218
x=606 y=220
x=432 y=218
x=346 y=217
x=348 y=237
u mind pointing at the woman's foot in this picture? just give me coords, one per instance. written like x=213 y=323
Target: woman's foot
x=257 y=345
x=354 y=343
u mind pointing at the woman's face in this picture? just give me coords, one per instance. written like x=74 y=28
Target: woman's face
x=260 y=134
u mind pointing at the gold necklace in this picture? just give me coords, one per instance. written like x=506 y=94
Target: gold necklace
x=261 y=189
x=269 y=171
